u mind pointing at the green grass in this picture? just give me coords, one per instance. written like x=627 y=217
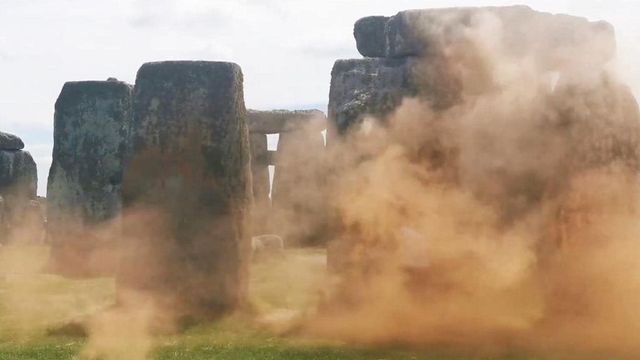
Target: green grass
x=32 y=303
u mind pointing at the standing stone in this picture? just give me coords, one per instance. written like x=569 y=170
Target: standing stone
x=18 y=184
x=418 y=53
x=299 y=198
x=188 y=189
x=361 y=87
x=91 y=141
x=260 y=180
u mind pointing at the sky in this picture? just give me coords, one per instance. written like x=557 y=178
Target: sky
x=286 y=48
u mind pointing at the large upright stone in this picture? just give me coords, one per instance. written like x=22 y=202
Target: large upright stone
x=188 y=189
x=91 y=141
x=361 y=87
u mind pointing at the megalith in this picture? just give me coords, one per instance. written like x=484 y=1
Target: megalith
x=18 y=176
x=187 y=190
x=295 y=126
x=370 y=86
x=260 y=181
x=18 y=179
x=91 y=140
x=298 y=193
x=428 y=33
x=408 y=55
x=445 y=59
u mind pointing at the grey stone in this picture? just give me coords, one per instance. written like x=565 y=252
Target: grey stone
x=370 y=36
x=277 y=121
x=10 y=142
x=190 y=180
x=91 y=143
x=429 y=31
x=377 y=86
x=361 y=87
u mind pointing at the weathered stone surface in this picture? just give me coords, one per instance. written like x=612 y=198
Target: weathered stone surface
x=298 y=193
x=18 y=176
x=10 y=142
x=428 y=32
x=18 y=185
x=277 y=121
x=259 y=150
x=361 y=87
x=377 y=86
x=91 y=142
x=188 y=189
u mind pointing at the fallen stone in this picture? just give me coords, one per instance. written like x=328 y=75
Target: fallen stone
x=267 y=244
x=188 y=189
x=91 y=143
x=10 y=142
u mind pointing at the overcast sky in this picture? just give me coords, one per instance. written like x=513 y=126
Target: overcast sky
x=286 y=47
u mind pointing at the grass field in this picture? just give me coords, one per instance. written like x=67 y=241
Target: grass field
x=33 y=304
